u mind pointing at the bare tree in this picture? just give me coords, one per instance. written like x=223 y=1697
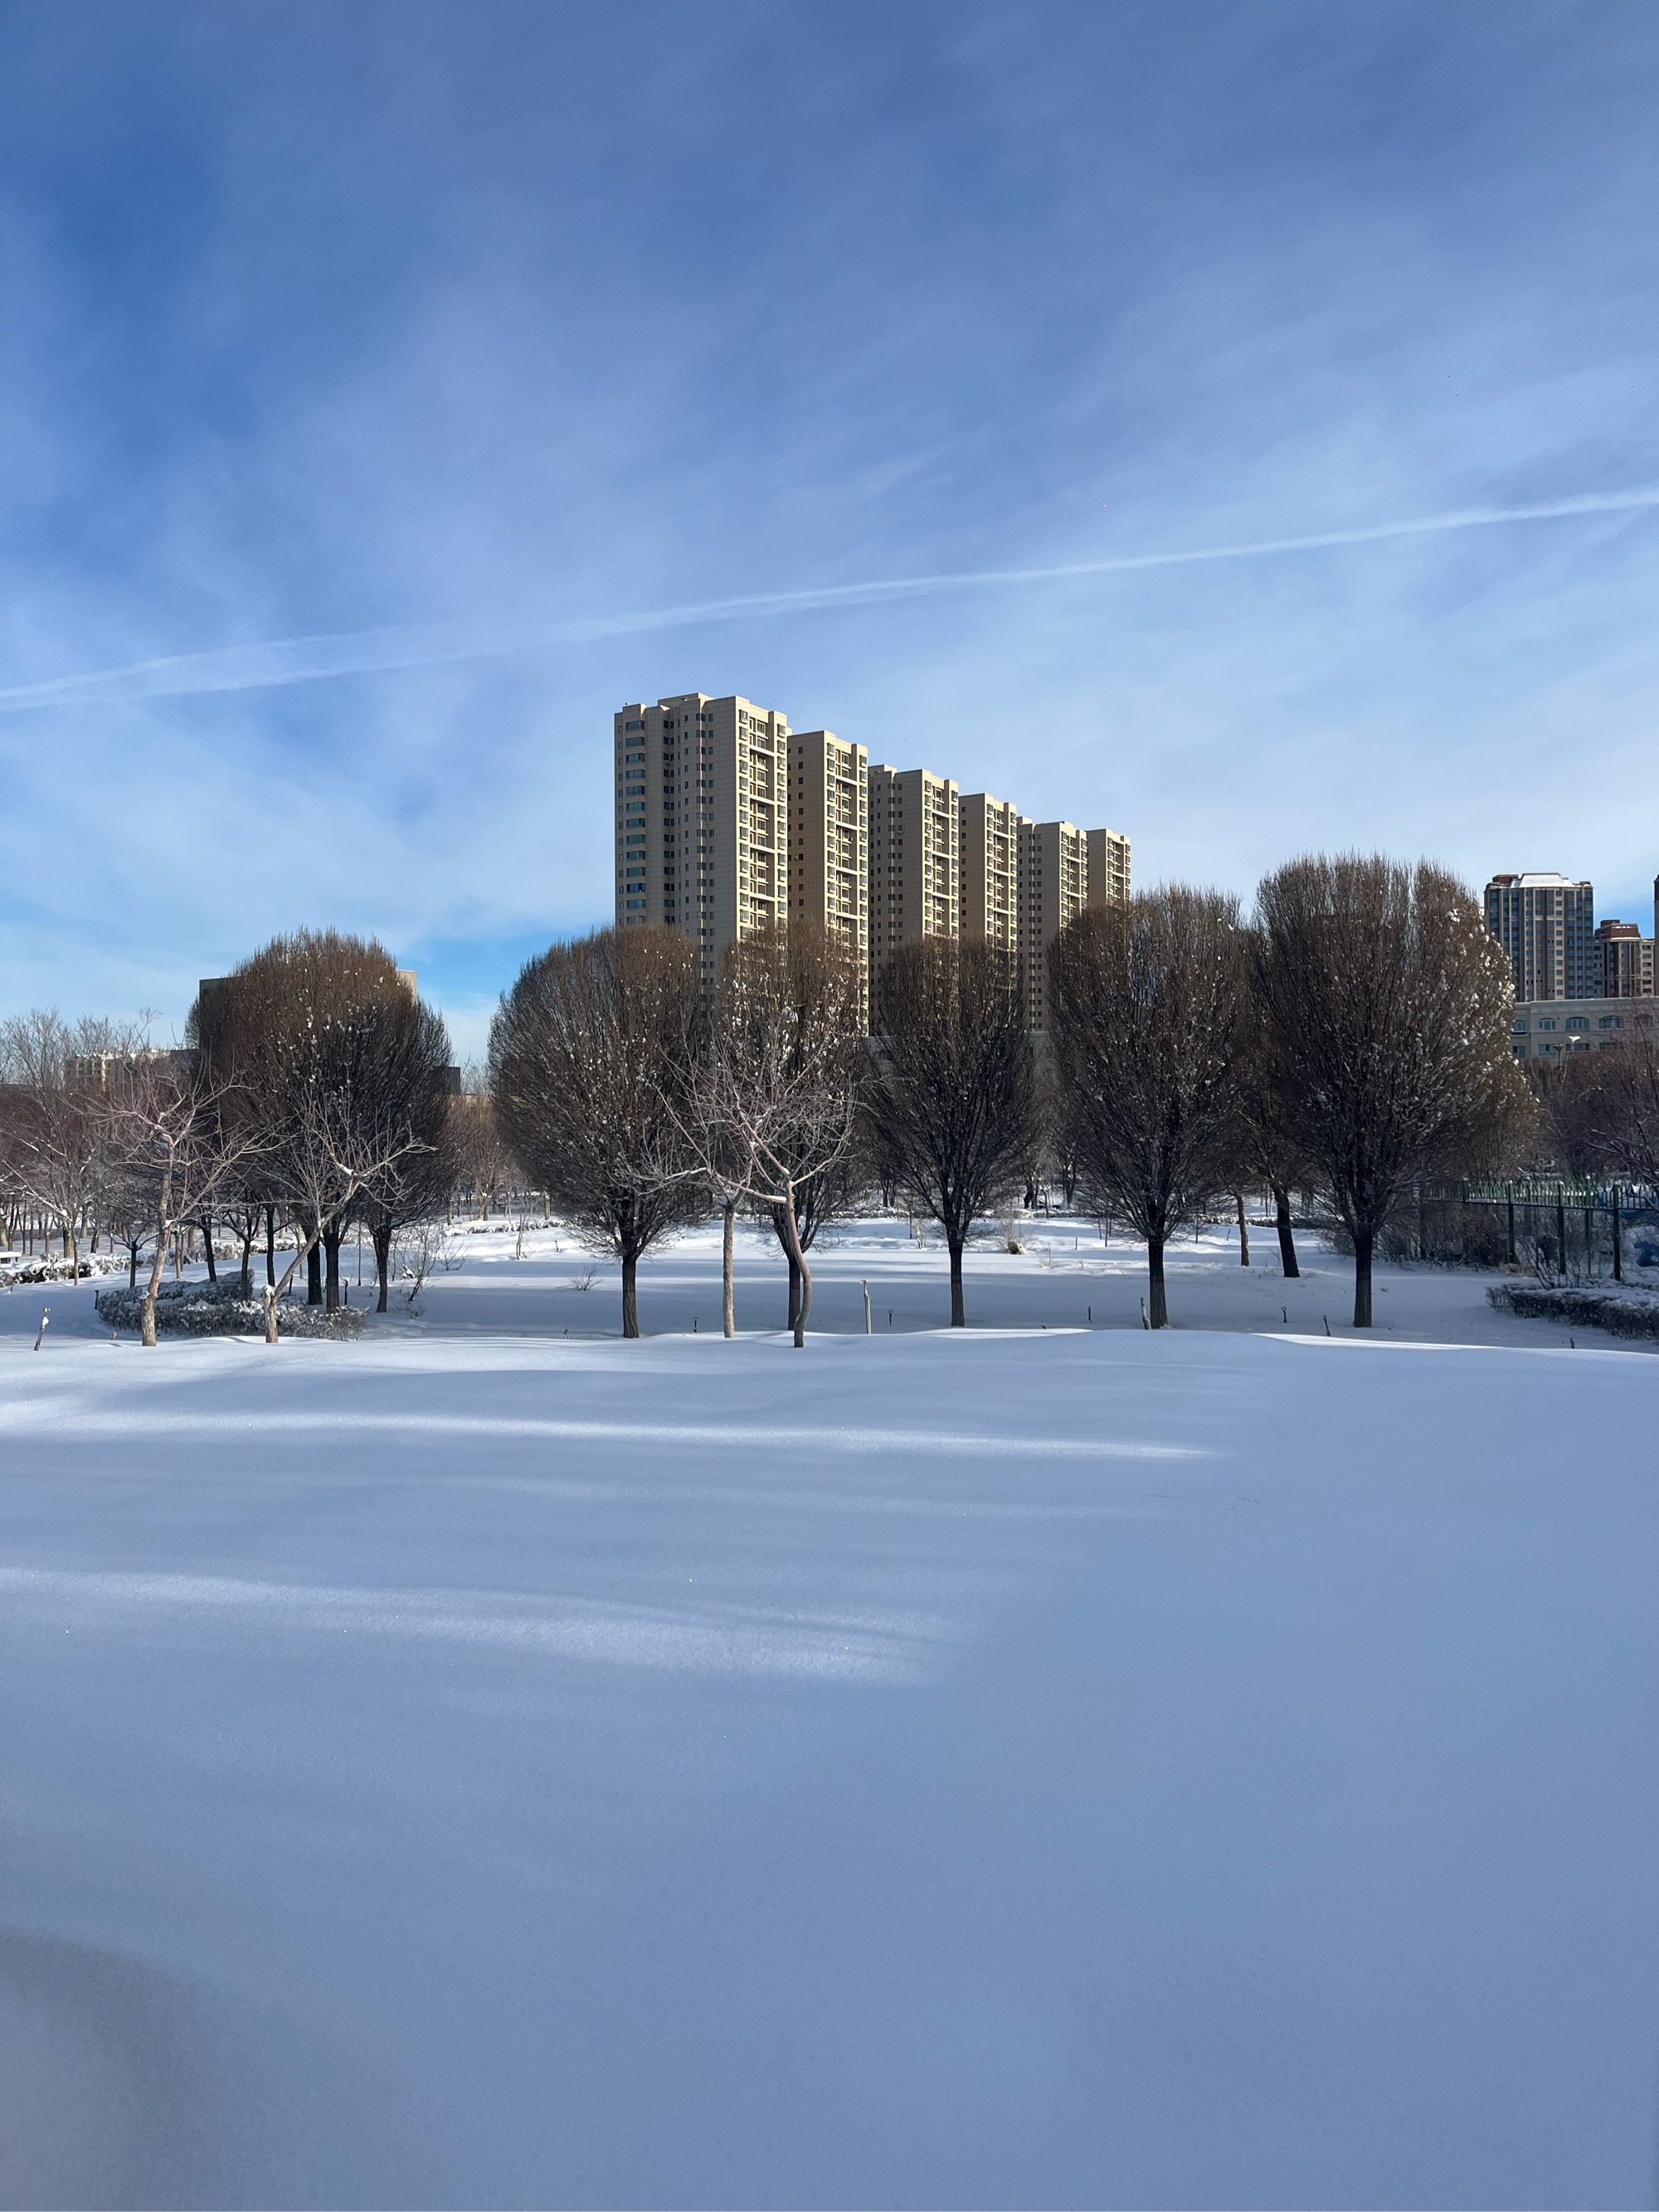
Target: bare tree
x=589 y=1055
x=1388 y=1002
x=174 y=1150
x=483 y=1158
x=1146 y=1022
x=416 y=1189
x=1266 y=1151
x=771 y=1112
x=54 y=1133
x=1599 y=1110
x=792 y=1008
x=1630 y=1143
x=340 y=1071
x=952 y=1104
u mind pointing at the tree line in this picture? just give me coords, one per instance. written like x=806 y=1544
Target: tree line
x=1347 y=1041
x=1349 y=1038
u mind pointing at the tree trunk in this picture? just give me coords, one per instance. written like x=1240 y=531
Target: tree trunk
x=797 y=1265
x=207 y=1247
x=314 y=1273
x=275 y=1290
x=1286 y=1241
x=1243 y=1232
x=1158 y=1302
x=728 y=1317
x=782 y=1231
x=1362 y=1277
x=331 y=1237
x=383 y=1263
x=250 y=1223
x=958 y=1310
x=630 y=1294
x=270 y=1245
x=147 y=1331
x=132 y=1267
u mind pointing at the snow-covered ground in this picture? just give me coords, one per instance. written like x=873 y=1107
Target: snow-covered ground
x=1067 y=1765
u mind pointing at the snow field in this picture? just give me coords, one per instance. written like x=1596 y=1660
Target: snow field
x=474 y=1765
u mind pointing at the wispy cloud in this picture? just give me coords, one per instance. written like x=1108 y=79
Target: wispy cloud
x=258 y=666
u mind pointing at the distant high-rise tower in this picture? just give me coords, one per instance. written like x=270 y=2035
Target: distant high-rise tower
x=1109 y=868
x=829 y=842
x=914 y=889
x=1053 y=891
x=990 y=843
x=701 y=818
x=1546 y=924
x=1623 y=961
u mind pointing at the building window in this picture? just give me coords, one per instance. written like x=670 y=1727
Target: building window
x=1547 y=1023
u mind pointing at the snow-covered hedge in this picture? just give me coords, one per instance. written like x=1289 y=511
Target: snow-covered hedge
x=1621 y=1314
x=15 y=1270
x=220 y=1310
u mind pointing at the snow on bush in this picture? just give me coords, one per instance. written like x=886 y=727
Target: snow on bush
x=220 y=1310
x=15 y=1269
x=1619 y=1314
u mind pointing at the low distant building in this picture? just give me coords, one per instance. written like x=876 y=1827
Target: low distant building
x=93 y=1069
x=1550 y=1029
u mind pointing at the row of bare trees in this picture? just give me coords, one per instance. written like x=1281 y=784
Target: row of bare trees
x=1599 y=1110
x=313 y=1091
x=1352 y=1037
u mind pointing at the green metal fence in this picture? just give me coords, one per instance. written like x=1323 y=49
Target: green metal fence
x=1561 y=1195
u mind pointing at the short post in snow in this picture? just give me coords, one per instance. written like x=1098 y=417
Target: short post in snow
x=865 y=1287
x=45 y=1322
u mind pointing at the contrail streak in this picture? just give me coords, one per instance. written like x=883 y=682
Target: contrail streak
x=307 y=659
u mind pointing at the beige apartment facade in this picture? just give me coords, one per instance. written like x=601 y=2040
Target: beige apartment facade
x=914 y=889
x=830 y=843
x=990 y=836
x=1109 y=868
x=727 y=822
x=1053 y=891
x=701 y=800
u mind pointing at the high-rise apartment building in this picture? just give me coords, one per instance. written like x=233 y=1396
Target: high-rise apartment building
x=913 y=860
x=1623 y=961
x=989 y=840
x=829 y=841
x=1053 y=891
x=1109 y=868
x=701 y=818
x=727 y=822
x=1546 y=924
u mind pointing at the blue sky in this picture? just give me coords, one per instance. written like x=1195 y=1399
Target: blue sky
x=474 y=342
